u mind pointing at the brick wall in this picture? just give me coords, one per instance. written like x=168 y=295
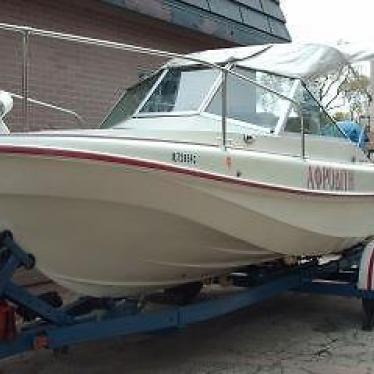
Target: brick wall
x=86 y=79
x=371 y=89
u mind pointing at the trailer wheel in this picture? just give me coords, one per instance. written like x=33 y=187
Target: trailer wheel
x=368 y=307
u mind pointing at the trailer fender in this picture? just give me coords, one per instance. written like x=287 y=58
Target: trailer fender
x=366 y=271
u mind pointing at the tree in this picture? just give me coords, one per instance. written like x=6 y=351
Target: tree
x=355 y=91
x=341 y=116
x=328 y=87
x=343 y=89
x=269 y=101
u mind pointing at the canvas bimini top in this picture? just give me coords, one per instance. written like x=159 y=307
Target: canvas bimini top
x=295 y=60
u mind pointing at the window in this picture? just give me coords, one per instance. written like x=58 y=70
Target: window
x=181 y=90
x=129 y=102
x=316 y=120
x=249 y=103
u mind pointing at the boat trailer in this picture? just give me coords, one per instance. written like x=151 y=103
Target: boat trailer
x=32 y=322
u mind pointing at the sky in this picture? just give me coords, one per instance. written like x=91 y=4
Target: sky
x=330 y=20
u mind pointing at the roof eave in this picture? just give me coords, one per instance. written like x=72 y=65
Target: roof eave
x=203 y=21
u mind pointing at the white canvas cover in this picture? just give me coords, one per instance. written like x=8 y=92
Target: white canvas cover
x=297 y=60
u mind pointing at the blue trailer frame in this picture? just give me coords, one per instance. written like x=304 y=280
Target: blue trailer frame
x=56 y=327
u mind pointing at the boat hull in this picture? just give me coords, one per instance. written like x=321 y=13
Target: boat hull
x=107 y=228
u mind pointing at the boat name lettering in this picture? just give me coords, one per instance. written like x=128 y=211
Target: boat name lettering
x=185 y=157
x=331 y=179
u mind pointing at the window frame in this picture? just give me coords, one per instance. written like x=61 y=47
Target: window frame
x=199 y=110
x=321 y=107
x=141 y=81
x=276 y=130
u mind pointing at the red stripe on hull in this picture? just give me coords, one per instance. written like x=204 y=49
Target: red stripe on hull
x=123 y=160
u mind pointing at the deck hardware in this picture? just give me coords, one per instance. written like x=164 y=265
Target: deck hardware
x=248 y=139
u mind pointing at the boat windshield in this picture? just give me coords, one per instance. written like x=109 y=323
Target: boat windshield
x=180 y=91
x=175 y=90
x=316 y=119
x=252 y=104
x=189 y=90
x=129 y=102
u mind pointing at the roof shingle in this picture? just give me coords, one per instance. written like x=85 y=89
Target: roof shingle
x=240 y=21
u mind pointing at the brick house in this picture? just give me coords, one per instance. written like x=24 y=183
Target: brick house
x=89 y=79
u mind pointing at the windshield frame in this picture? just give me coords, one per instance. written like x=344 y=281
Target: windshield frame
x=294 y=93
x=143 y=80
x=204 y=102
x=282 y=118
x=149 y=94
x=278 y=129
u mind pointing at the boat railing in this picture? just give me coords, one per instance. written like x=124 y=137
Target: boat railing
x=44 y=104
x=27 y=32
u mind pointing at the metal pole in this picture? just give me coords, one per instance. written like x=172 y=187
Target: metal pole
x=50 y=106
x=362 y=134
x=302 y=135
x=224 y=108
x=25 y=76
x=135 y=49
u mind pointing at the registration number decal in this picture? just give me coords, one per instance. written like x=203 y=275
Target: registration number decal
x=190 y=158
x=330 y=179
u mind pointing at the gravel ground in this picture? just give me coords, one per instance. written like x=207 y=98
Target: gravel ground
x=289 y=334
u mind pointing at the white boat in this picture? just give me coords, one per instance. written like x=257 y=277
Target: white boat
x=174 y=189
